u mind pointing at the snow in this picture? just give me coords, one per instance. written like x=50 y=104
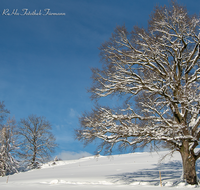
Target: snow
x=127 y=171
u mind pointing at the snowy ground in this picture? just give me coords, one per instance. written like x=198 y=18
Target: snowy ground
x=128 y=171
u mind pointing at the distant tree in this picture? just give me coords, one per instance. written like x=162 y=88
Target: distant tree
x=37 y=140
x=160 y=66
x=3 y=114
x=8 y=143
x=8 y=148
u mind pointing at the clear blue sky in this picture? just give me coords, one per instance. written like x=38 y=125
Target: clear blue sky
x=45 y=61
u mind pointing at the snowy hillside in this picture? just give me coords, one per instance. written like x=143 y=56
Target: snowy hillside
x=127 y=171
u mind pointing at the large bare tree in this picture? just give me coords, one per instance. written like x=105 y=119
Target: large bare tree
x=37 y=140
x=158 y=66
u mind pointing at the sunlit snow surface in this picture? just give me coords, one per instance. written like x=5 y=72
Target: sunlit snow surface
x=127 y=171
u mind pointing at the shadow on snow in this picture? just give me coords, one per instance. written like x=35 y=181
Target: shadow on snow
x=170 y=172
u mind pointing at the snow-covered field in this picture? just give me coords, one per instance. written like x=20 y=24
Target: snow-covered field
x=127 y=171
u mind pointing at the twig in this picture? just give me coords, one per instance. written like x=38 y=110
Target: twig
x=7 y=179
x=160 y=179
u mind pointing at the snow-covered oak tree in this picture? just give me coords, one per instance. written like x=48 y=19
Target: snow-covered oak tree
x=37 y=140
x=158 y=67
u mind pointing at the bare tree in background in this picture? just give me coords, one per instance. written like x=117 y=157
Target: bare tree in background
x=37 y=140
x=3 y=114
x=160 y=67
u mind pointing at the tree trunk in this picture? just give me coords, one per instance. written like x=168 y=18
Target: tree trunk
x=34 y=155
x=189 y=165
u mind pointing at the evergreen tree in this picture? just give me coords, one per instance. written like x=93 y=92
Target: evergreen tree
x=8 y=148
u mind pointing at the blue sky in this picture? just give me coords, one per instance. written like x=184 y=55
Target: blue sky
x=45 y=60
